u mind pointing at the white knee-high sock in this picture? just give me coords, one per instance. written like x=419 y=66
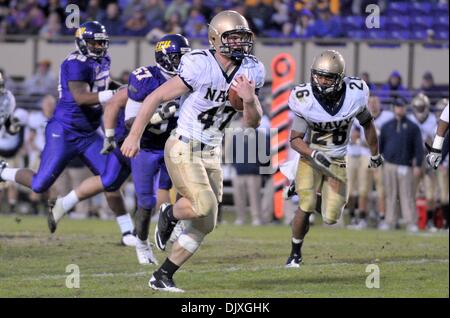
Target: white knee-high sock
x=9 y=174
x=69 y=201
x=125 y=223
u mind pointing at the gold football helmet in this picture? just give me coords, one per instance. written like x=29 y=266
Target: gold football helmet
x=229 y=34
x=421 y=107
x=331 y=65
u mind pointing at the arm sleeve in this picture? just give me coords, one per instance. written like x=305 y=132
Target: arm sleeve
x=364 y=116
x=193 y=69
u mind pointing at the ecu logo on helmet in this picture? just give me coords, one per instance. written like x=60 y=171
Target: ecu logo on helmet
x=162 y=45
x=80 y=32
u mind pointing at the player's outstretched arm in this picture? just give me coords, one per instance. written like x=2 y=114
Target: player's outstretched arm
x=113 y=107
x=84 y=98
x=370 y=132
x=170 y=90
x=110 y=115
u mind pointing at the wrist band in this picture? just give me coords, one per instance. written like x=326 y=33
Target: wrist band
x=438 y=142
x=109 y=132
x=105 y=96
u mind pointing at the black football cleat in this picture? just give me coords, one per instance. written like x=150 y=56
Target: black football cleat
x=164 y=227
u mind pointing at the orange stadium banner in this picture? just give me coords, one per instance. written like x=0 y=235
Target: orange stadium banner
x=283 y=75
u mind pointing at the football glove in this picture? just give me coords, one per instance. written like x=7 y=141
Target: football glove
x=14 y=125
x=164 y=112
x=376 y=161
x=321 y=159
x=109 y=144
x=434 y=158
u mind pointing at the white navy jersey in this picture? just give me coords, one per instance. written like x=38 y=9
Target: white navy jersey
x=427 y=128
x=330 y=133
x=205 y=111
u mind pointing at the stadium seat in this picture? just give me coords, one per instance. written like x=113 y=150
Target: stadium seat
x=421 y=23
x=356 y=34
x=398 y=23
x=440 y=23
x=399 y=35
x=441 y=35
x=353 y=22
x=419 y=35
x=439 y=9
x=420 y=8
x=398 y=8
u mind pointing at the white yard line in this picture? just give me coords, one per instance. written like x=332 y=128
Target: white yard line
x=237 y=268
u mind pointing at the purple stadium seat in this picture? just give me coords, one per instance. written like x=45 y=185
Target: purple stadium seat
x=356 y=34
x=421 y=23
x=419 y=35
x=376 y=34
x=399 y=35
x=398 y=8
x=441 y=35
x=353 y=22
x=420 y=8
x=440 y=23
x=439 y=9
x=398 y=23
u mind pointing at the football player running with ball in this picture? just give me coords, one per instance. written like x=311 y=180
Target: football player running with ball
x=192 y=153
x=325 y=110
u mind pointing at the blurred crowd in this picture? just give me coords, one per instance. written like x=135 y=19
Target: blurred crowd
x=268 y=18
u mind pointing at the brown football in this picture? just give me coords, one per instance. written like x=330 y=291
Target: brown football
x=235 y=100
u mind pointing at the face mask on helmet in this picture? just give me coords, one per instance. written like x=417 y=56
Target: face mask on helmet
x=327 y=84
x=420 y=111
x=169 y=62
x=92 y=40
x=2 y=85
x=237 y=44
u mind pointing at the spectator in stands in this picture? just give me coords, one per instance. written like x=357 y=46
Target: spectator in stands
x=132 y=5
x=179 y=7
x=260 y=14
x=52 y=29
x=25 y=18
x=327 y=25
x=54 y=6
x=137 y=25
x=112 y=20
x=196 y=26
x=43 y=82
x=401 y=146
x=302 y=27
x=204 y=10
x=154 y=11
x=433 y=91
x=394 y=88
x=366 y=78
x=280 y=15
x=94 y=11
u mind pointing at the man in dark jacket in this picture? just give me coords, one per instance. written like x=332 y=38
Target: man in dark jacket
x=401 y=147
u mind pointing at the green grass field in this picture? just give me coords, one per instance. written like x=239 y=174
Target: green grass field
x=233 y=262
